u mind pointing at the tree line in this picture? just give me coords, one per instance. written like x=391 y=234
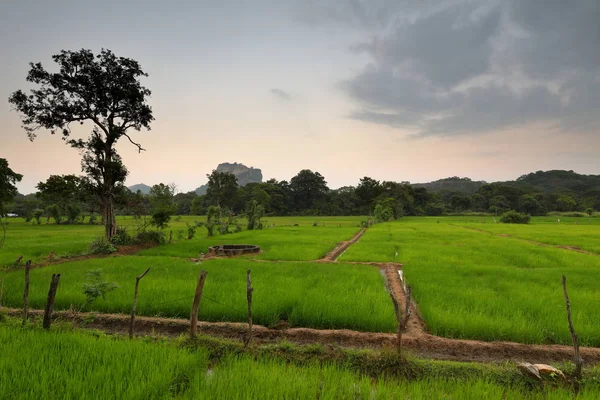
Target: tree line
x=68 y=198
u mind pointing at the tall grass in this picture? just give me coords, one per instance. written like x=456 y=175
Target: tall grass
x=242 y=377
x=69 y=365
x=474 y=285
x=312 y=295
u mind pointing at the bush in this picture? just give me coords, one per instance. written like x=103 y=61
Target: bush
x=53 y=211
x=161 y=218
x=150 y=237
x=37 y=214
x=121 y=237
x=513 y=217
x=96 y=286
x=102 y=246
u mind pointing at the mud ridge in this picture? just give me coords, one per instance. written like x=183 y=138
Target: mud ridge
x=333 y=255
x=424 y=345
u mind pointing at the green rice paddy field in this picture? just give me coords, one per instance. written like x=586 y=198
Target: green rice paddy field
x=80 y=365
x=472 y=278
x=473 y=284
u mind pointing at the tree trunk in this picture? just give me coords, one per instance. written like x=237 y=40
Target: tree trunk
x=108 y=215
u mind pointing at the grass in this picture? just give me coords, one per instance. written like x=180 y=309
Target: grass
x=305 y=242
x=315 y=295
x=68 y=364
x=242 y=377
x=474 y=285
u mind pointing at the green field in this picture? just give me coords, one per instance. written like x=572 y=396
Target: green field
x=470 y=284
x=302 y=242
x=312 y=295
x=76 y=365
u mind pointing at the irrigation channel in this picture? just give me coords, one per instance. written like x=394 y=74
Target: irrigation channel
x=415 y=338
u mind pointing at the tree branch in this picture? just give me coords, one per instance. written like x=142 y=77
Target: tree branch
x=139 y=146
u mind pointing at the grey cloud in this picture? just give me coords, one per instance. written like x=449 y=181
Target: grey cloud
x=482 y=66
x=281 y=94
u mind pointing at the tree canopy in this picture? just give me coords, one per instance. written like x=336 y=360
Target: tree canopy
x=8 y=180
x=102 y=89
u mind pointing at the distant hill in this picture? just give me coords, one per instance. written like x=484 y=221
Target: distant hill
x=452 y=184
x=243 y=174
x=145 y=189
x=550 y=181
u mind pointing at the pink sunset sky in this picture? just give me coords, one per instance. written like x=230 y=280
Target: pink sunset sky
x=396 y=90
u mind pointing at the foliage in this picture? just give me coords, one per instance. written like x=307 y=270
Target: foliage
x=53 y=211
x=8 y=179
x=213 y=216
x=197 y=206
x=222 y=187
x=72 y=212
x=96 y=287
x=101 y=89
x=102 y=246
x=150 y=237
x=122 y=237
x=589 y=211
x=161 y=218
x=254 y=212
x=309 y=189
x=513 y=217
x=191 y=228
x=383 y=212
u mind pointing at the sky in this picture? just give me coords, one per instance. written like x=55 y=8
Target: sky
x=399 y=90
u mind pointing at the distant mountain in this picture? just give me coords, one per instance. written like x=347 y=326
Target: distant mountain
x=145 y=189
x=452 y=184
x=549 y=181
x=243 y=174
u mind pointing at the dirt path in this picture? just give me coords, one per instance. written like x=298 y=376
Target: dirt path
x=558 y=246
x=419 y=344
x=341 y=247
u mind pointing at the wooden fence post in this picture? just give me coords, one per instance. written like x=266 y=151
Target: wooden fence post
x=578 y=360
x=135 y=294
x=399 y=319
x=249 y=290
x=407 y=311
x=50 y=301
x=26 y=292
x=196 y=304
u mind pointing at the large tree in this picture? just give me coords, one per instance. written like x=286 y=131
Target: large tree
x=103 y=90
x=222 y=189
x=8 y=179
x=308 y=188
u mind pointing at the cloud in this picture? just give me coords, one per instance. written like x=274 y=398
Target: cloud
x=281 y=94
x=480 y=66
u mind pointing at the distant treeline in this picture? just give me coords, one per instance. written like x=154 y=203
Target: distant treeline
x=307 y=193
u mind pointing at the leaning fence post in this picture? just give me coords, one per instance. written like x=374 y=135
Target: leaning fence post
x=407 y=311
x=578 y=360
x=135 y=294
x=249 y=290
x=196 y=304
x=399 y=319
x=50 y=301
x=26 y=292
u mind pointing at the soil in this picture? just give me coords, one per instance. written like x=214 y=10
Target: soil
x=418 y=344
x=341 y=247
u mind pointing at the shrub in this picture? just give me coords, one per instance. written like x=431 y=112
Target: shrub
x=589 y=211
x=161 y=218
x=73 y=211
x=102 y=246
x=513 y=217
x=191 y=228
x=121 y=237
x=96 y=287
x=383 y=212
x=150 y=237
x=37 y=215
x=53 y=211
